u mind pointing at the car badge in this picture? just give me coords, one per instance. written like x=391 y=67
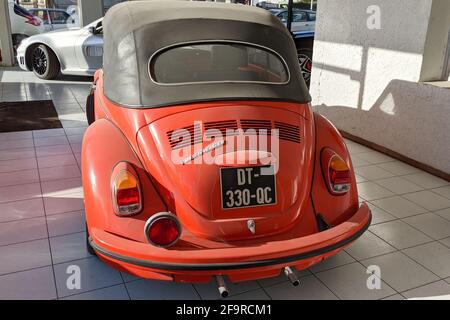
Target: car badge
x=251 y=225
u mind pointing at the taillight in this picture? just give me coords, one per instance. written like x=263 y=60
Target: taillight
x=163 y=229
x=336 y=172
x=33 y=21
x=126 y=191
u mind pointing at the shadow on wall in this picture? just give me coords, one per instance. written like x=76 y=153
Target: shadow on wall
x=410 y=118
x=366 y=80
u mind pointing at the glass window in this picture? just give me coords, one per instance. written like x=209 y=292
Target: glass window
x=300 y=17
x=312 y=17
x=283 y=16
x=59 y=17
x=217 y=62
x=42 y=14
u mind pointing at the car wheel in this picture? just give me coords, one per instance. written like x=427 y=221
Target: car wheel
x=89 y=248
x=305 y=61
x=44 y=62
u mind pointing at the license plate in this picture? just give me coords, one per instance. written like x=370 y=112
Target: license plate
x=247 y=187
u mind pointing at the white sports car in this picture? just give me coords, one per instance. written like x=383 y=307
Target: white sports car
x=77 y=51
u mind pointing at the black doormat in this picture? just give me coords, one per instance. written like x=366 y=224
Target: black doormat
x=28 y=115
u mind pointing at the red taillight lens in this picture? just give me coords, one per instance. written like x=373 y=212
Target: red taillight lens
x=336 y=171
x=163 y=230
x=126 y=197
x=126 y=191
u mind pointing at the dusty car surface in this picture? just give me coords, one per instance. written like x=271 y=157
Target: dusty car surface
x=203 y=158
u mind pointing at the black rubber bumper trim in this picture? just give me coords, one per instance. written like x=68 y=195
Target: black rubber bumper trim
x=230 y=266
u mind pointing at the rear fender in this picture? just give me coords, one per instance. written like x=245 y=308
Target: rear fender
x=334 y=209
x=104 y=146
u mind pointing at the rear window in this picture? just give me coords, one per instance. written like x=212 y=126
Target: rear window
x=218 y=62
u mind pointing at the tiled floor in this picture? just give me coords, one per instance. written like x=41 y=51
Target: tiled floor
x=42 y=222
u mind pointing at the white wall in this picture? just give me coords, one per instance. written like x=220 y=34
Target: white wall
x=366 y=81
x=5 y=35
x=90 y=10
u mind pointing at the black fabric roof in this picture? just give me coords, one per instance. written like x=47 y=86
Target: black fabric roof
x=135 y=30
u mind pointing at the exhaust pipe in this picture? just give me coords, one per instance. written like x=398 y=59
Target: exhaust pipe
x=291 y=276
x=222 y=287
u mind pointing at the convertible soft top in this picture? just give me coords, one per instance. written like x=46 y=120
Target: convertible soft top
x=137 y=31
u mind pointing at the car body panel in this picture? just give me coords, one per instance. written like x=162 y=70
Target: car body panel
x=216 y=234
x=78 y=50
x=54 y=19
x=306 y=224
x=303 y=21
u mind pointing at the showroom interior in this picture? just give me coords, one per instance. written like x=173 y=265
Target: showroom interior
x=380 y=74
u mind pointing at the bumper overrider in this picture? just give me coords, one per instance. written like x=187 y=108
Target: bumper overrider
x=240 y=263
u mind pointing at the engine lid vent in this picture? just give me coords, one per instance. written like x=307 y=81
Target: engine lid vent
x=288 y=132
x=222 y=126
x=257 y=127
x=179 y=138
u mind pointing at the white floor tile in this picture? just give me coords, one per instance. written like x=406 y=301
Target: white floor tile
x=430 y=291
x=23 y=230
x=426 y=180
x=31 y=208
x=379 y=215
x=66 y=223
x=398 y=168
x=444 y=213
x=36 y=284
x=259 y=294
x=398 y=185
x=399 y=234
x=429 y=200
x=401 y=272
x=337 y=260
x=399 y=207
x=309 y=289
x=161 y=290
x=433 y=256
x=368 y=246
x=443 y=191
x=371 y=191
x=349 y=282
x=431 y=224
x=208 y=291
x=69 y=247
x=94 y=274
x=373 y=172
x=117 y=292
x=24 y=256
x=20 y=192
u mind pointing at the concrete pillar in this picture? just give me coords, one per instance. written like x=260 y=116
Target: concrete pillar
x=90 y=10
x=5 y=35
x=370 y=58
x=437 y=47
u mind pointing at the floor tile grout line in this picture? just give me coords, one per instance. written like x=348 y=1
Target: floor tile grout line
x=46 y=224
x=265 y=291
x=402 y=251
x=423 y=285
x=323 y=283
x=414 y=227
x=40 y=239
x=89 y=291
x=125 y=285
x=44 y=215
x=196 y=291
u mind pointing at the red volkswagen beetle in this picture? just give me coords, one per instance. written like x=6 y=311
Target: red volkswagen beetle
x=203 y=158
